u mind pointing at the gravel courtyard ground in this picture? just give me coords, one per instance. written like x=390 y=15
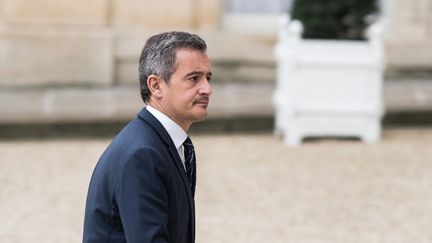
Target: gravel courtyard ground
x=251 y=188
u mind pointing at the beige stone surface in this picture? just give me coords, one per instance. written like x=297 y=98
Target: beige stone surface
x=229 y=100
x=408 y=31
x=128 y=47
x=153 y=13
x=58 y=12
x=409 y=20
x=249 y=40
x=250 y=189
x=1 y=10
x=23 y=106
x=208 y=14
x=127 y=71
x=240 y=47
x=69 y=105
x=35 y=57
x=235 y=57
x=248 y=72
x=408 y=95
x=57 y=105
x=409 y=55
x=79 y=105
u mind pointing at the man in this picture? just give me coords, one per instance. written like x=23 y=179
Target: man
x=142 y=189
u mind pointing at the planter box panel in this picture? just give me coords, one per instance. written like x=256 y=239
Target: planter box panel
x=328 y=88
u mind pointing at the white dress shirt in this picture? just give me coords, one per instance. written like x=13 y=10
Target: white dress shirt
x=177 y=134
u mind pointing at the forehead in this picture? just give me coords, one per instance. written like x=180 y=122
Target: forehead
x=192 y=58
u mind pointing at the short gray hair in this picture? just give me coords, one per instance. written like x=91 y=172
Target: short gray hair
x=158 y=56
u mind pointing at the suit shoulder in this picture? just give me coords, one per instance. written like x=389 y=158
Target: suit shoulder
x=138 y=134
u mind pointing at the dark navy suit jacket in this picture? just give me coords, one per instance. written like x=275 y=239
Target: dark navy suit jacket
x=139 y=191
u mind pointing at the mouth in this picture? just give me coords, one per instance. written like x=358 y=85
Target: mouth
x=202 y=101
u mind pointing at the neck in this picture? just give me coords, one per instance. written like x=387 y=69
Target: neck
x=158 y=106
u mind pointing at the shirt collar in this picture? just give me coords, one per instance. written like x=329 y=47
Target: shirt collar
x=177 y=134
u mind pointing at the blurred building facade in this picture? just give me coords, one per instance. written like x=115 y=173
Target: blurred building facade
x=76 y=60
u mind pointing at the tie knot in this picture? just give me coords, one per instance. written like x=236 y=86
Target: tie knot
x=188 y=143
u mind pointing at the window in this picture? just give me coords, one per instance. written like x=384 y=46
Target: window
x=258 y=6
x=254 y=16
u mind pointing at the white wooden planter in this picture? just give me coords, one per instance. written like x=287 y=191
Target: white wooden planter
x=328 y=87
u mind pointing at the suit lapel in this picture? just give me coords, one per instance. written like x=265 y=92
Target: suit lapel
x=145 y=115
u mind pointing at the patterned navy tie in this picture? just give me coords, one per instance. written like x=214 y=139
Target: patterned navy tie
x=190 y=163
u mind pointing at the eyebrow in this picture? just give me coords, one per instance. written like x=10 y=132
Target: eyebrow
x=199 y=73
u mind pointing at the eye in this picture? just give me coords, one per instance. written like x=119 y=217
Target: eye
x=194 y=78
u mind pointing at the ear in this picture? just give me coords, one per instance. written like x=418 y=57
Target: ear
x=154 y=85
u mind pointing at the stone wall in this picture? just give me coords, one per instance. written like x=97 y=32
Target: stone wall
x=56 y=13
x=409 y=33
x=50 y=56
x=97 y=42
x=63 y=61
x=47 y=43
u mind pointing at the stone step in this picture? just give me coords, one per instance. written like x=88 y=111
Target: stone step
x=121 y=103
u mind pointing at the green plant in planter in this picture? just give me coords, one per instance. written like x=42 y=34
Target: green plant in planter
x=334 y=19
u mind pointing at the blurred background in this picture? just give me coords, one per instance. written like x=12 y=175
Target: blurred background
x=68 y=83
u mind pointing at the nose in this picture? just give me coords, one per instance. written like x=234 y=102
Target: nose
x=206 y=88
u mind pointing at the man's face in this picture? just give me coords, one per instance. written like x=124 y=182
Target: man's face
x=186 y=95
